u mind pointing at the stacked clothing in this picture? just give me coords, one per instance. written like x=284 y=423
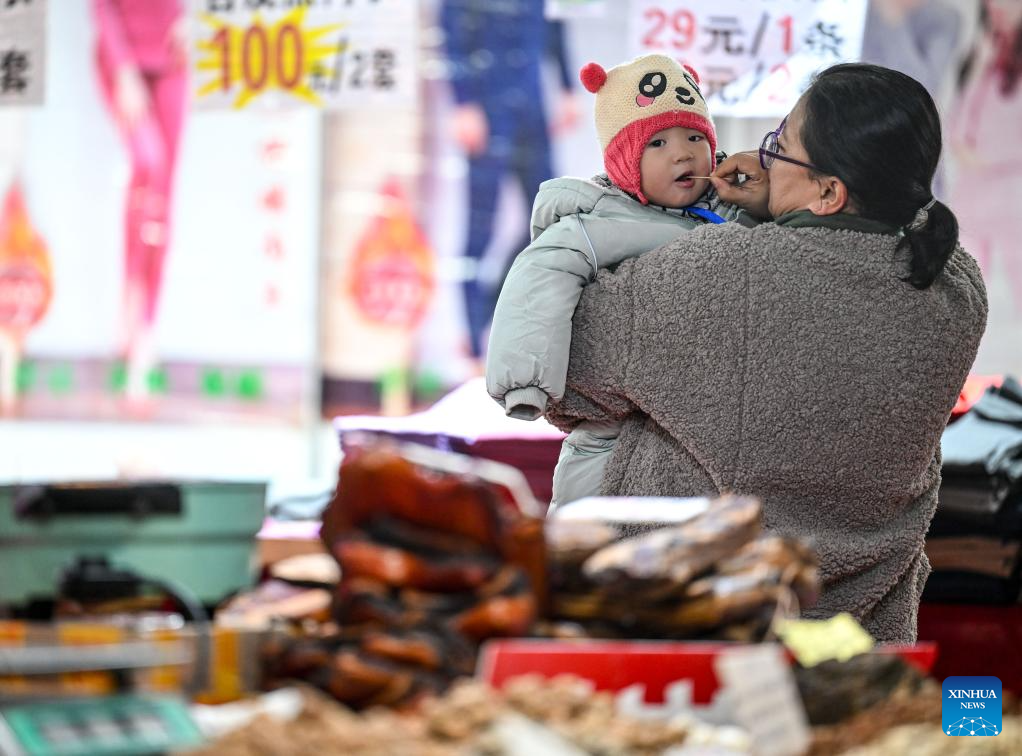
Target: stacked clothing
x=975 y=539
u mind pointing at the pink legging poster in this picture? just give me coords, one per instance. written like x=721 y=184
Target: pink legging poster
x=142 y=69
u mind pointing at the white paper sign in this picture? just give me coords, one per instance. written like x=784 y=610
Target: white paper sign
x=754 y=57
x=282 y=54
x=22 y=52
x=761 y=690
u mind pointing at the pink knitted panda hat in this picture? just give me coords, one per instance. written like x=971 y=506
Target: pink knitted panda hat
x=634 y=101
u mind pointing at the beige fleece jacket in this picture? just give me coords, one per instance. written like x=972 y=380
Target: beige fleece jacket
x=793 y=364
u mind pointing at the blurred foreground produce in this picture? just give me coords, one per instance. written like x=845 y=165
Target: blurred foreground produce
x=705 y=578
x=433 y=560
x=833 y=691
x=874 y=705
x=563 y=716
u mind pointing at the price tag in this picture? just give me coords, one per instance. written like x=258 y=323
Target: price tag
x=754 y=57
x=759 y=687
x=332 y=55
x=815 y=641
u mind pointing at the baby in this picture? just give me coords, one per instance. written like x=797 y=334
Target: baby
x=659 y=145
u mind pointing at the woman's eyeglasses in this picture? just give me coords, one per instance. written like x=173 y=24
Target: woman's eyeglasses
x=768 y=151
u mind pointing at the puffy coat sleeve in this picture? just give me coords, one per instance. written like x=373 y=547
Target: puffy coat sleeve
x=527 y=358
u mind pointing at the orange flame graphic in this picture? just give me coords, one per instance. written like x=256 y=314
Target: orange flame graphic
x=26 y=275
x=393 y=277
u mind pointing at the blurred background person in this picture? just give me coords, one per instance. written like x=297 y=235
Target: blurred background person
x=495 y=51
x=986 y=141
x=919 y=38
x=916 y=37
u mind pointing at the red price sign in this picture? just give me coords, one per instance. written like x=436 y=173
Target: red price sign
x=393 y=278
x=332 y=55
x=678 y=29
x=675 y=30
x=754 y=57
x=249 y=59
x=24 y=297
x=392 y=291
x=260 y=55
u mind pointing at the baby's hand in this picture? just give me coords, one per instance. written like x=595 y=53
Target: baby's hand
x=752 y=194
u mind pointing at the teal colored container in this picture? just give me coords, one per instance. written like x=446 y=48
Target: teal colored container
x=199 y=534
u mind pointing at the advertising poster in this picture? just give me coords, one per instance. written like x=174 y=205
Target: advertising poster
x=498 y=110
x=968 y=54
x=159 y=262
x=984 y=151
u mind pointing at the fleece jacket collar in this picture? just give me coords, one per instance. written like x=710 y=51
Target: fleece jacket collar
x=841 y=221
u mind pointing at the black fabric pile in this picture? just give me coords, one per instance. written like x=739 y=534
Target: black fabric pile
x=975 y=539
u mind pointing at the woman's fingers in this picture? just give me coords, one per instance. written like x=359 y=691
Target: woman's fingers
x=740 y=162
x=751 y=194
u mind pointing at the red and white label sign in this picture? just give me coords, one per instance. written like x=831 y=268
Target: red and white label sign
x=393 y=272
x=754 y=57
x=393 y=291
x=24 y=296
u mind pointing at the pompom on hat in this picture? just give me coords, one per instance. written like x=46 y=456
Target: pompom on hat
x=637 y=99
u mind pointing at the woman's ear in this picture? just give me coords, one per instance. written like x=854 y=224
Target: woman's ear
x=833 y=197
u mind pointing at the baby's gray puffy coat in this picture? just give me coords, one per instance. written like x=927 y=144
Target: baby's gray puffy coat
x=793 y=364
x=527 y=357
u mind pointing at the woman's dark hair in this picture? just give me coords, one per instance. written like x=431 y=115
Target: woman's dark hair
x=879 y=132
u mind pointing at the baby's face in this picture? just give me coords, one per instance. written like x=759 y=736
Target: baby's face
x=669 y=158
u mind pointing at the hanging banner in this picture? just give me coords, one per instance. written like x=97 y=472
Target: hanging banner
x=22 y=52
x=276 y=54
x=754 y=57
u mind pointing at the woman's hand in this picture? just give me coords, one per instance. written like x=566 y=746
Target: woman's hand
x=753 y=194
x=131 y=98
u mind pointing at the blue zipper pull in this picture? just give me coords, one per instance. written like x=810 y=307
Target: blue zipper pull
x=707 y=215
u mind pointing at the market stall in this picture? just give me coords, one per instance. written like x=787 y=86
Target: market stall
x=441 y=614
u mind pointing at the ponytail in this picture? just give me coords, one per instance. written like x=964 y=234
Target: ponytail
x=932 y=237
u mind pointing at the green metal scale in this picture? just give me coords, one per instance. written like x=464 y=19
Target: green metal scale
x=201 y=534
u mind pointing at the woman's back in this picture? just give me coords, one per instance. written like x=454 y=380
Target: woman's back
x=791 y=363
